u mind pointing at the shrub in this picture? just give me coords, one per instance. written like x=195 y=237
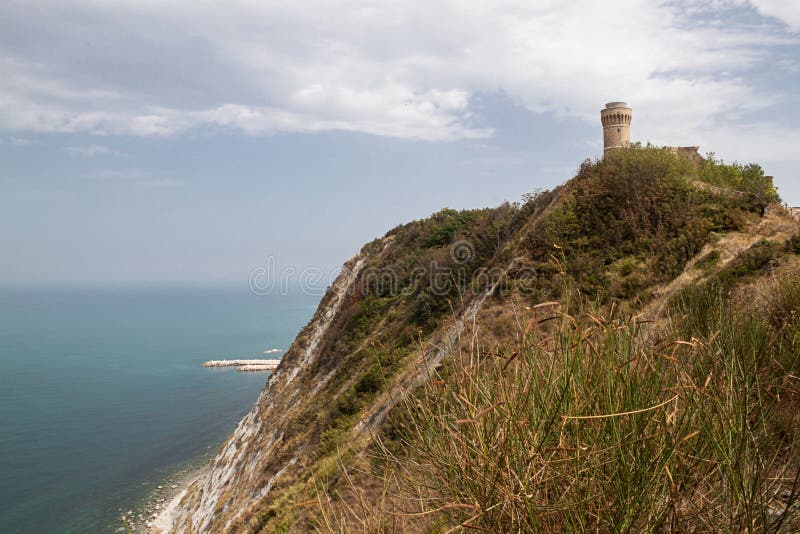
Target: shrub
x=348 y=402
x=748 y=178
x=370 y=381
x=636 y=207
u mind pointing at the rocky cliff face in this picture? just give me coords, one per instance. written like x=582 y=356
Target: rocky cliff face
x=268 y=450
x=257 y=455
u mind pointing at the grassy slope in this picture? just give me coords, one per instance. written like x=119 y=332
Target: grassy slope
x=521 y=455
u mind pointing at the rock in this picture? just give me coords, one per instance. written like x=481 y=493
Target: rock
x=774 y=513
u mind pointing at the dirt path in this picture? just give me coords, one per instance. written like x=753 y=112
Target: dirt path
x=775 y=226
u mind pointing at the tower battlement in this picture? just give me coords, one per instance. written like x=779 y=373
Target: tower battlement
x=616 y=118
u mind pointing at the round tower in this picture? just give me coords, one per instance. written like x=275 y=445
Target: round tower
x=616 y=119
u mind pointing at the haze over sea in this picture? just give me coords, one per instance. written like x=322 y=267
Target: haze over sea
x=102 y=393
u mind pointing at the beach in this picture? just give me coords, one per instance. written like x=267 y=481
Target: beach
x=156 y=514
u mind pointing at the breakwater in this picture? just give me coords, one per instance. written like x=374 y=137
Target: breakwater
x=245 y=365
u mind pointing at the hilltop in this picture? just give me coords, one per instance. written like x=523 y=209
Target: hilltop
x=618 y=353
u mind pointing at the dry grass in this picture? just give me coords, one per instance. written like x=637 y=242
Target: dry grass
x=590 y=426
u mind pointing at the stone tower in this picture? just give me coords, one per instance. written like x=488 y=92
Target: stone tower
x=616 y=119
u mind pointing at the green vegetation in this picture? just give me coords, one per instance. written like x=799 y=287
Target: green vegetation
x=709 y=261
x=745 y=178
x=617 y=239
x=446 y=224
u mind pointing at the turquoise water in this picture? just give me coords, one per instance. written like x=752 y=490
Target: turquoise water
x=102 y=392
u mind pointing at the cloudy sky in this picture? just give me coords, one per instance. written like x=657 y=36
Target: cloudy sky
x=187 y=142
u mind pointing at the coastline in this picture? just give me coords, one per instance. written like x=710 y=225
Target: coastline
x=162 y=523
x=155 y=513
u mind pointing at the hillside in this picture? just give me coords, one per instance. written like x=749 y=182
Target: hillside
x=618 y=353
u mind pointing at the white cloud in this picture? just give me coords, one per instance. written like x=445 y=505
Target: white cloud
x=133 y=177
x=16 y=141
x=117 y=175
x=758 y=142
x=91 y=151
x=787 y=11
x=161 y=183
x=406 y=70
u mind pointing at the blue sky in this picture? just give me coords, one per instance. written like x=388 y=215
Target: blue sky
x=187 y=142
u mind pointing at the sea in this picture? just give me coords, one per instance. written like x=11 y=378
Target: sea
x=103 y=395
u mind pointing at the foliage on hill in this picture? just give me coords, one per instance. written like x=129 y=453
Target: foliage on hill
x=634 y=219
x=573 y=415
x=748 y=178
